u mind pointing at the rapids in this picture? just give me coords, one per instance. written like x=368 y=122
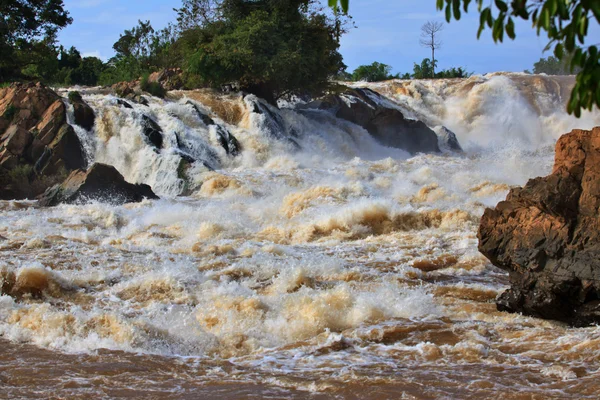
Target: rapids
x=316 y=262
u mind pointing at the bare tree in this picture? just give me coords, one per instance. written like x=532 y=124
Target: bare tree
x=430 y=33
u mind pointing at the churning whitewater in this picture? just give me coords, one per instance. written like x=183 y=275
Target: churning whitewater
x=292 y=253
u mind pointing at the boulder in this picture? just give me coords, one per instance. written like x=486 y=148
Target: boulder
x=547 y=236
x=66 y=151
x=99 y=183
x=24 y=103
x=84 y=115
x=272 y=123
x=381 y=118
x=152 y=131
x=447 y=139
x=226 y=138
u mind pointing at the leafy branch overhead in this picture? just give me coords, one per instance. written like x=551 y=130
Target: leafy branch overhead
x=566 y=23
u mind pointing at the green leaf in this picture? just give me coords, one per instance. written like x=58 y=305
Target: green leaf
x=510 y=28
x=456 y=8
x=501 y=5
x=558 y=51
x=448 y=13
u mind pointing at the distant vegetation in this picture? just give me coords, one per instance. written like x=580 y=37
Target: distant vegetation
x=554 y=66
x=380 y=72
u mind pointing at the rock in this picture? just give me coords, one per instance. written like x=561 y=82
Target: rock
x=447 y=139
x=84 y=115
x=152 y=131
x=124 y=89
x=272 y=122
x=25 y=103
x=226 y=138
x=67 y=149
x=123 y=103
x=37 y=147
x=99 y=183
x=169 y=78
x=547 y=236
x=53 y=119
x=17 y=139
x=381 y=118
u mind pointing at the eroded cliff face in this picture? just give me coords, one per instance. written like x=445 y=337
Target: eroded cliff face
x=547 y=236
x=37 y=145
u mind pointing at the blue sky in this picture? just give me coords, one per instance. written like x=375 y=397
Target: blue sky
x=387 y=31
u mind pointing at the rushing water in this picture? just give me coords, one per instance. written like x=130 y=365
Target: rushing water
x=340 y=269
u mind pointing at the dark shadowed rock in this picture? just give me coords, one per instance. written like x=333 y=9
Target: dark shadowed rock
x=380 y=118
x=547 y=236
x=152 y=131
x=99 y=183
x=226 y=138
x=272 y=123
x=123 y=103
x=447 y=139
x=84 y=115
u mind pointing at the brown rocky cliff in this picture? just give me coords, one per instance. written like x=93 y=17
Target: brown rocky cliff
x=547 y=236
x=37 y=146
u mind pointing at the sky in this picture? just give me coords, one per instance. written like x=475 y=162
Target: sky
x=387 y=31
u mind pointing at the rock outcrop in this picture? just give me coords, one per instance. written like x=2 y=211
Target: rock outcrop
x=226 y=138
x=547 y=236
x=37 y=146
x=99 y=183
x=380 y=118
x=169 y=78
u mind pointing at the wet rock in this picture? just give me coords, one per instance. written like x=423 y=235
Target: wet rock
x=547 y=236
x=124 y=89
x=226 y=138
x=447 y=139
x=99 y=183
x=66 y=151
x=152 y=131
x=123 y=103
x=83 y=113
x=272 y=123
x=381 y=118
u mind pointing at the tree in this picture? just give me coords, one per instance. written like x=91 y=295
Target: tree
x=424 y=70
x=271 y=48
x=430 y=32
x=566 y=23
x=554 y=66
x=28 y=31
x=372 y=73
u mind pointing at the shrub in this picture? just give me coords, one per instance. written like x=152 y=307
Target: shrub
x=154 y=88
x=75 y=96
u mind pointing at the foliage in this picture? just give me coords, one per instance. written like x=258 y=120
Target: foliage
x=424 y=70
x=154 y=88
x=566 y=22
x=74 y=96
x=10 y=112
x=271 y=48
x=28 y=31
x=453 y=72
x=554 y=66
x=372 y=73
